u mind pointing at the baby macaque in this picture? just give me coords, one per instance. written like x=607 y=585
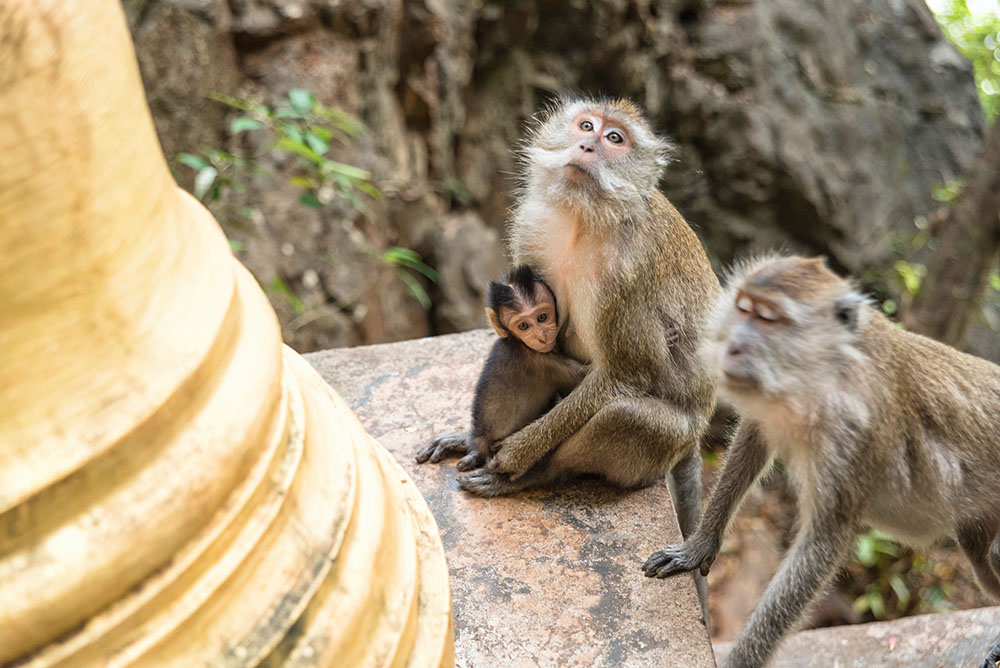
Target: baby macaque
x=524 y=375
x=877 y=427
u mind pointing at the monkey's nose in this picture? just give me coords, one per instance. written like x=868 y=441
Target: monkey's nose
x=587 y=148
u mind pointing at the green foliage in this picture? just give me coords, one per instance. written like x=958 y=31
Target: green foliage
x=977 y=36
x=404 y=259
x=300 y=127
x=887 y=581
x=304 y=128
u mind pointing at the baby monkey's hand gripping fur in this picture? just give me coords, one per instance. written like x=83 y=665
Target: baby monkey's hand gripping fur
x=876 y=427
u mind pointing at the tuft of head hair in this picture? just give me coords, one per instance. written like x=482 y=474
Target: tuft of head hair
x=514 y=289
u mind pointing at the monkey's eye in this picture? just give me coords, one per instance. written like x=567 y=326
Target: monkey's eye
x=767 y=313
x=542 y=317
x=523 y=326
x=615 y=138
x=586 y=126
x=744 y=304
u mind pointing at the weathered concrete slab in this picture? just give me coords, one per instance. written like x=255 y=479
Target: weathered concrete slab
x=951 y=640
x=544 y=578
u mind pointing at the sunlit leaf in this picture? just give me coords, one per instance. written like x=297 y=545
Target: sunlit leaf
x=309 y=199
x=193 y=161
x=244 y=123
x=416 y=289
x=204 y=180
x=302 y=100
x=316 y=143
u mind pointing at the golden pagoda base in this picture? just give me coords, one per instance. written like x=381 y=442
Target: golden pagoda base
x=176 y=487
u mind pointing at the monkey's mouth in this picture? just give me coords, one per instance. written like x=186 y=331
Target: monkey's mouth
x=575 y=168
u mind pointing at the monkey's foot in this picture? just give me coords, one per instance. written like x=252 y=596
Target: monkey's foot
x=483 y=482
x=442 y=446
x=469 y=462
x=993 y=658
x=680 y=559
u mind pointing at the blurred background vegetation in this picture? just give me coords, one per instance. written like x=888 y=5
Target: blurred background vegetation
x=358 y=155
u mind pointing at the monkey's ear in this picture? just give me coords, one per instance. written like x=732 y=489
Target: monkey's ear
x=495 y=323
x=846 y=309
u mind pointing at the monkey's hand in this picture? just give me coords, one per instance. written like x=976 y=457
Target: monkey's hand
x=694 y=554
x=443 y=446
x=513 y=455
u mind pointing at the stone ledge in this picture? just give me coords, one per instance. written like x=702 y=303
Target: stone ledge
x=949 y=640
x=543 y=578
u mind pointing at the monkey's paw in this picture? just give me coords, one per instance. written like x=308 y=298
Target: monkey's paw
x=680 y=559
x=443 y=446
x=485 y=483
x=513 y=457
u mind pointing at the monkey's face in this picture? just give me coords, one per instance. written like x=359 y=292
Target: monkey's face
x=784 y=329
x=535 y=323
x=592 y=149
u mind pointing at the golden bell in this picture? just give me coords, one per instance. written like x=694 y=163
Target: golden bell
x=176 y=487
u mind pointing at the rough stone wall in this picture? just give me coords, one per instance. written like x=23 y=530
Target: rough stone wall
x=813 y=125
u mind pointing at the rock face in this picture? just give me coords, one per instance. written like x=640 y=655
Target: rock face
x=819 y=126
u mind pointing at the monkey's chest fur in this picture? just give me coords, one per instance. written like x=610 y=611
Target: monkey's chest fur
x=573 y=261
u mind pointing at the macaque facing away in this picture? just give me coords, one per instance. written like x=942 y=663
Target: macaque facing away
x=524 y=374
x=877 y=427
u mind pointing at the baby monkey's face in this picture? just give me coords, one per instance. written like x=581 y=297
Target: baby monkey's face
x=535 y=323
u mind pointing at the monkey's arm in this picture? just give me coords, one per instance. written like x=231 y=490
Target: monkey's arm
x=747 y=457
x=567 y=373
x=519 y=451
x=819 y=549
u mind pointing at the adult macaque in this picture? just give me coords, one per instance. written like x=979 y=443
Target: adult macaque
x=523 y=376
x=627 y=270
x=876 y=427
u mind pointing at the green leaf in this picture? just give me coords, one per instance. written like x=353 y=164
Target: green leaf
x=995 y=282
x=193 y=161
x=309 y=199
x=244 y=123
x=326 y=134
x=286 y=112
x=303 y=182
x=286 y=144
x=902 y=592
x=278 y=286
x=332 y=167
x=204 y=181
x=409 y=258
x=416 y=289
x=302 y=100
x=242 y=105
x=375 y=193
x=236 y=246
x=877 y=604
x=316 y=143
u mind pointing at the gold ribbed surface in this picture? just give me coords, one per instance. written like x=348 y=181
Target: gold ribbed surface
x=176 y=487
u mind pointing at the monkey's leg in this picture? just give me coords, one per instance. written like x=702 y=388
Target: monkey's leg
x=444 y=445
x=975 y=541
x=747 y=457
x=685 y=490
x=819 y=549
x=633 y=442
